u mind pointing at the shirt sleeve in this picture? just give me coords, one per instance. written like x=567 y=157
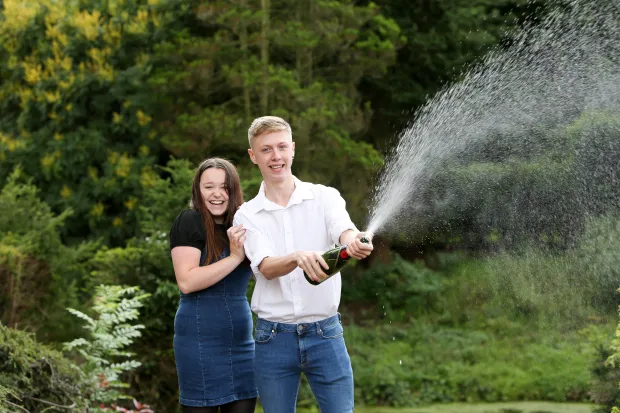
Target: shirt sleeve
x=337 y=218
x=187 y=231
x=257 y=245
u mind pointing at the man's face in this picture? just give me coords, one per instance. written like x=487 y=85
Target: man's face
x=273 y=153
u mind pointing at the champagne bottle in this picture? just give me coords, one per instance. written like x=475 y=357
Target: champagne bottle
x=336 y=259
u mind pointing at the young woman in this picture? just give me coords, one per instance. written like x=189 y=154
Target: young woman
x=213 y=343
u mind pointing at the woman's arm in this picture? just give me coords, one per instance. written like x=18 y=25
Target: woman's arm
x=192 y=277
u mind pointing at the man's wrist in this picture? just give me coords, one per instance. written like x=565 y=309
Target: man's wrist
x=348 y=236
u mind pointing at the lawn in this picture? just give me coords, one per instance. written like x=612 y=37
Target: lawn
x=513 y=407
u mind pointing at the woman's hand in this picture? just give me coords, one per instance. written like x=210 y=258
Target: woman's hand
x=236 y=236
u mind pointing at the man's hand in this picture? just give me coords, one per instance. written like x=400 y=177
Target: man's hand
x=358 y=249
x=311 y=262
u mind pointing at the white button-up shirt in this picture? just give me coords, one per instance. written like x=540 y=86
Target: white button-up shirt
x=313 y=220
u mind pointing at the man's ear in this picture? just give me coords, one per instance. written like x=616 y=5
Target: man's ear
x=252 y=157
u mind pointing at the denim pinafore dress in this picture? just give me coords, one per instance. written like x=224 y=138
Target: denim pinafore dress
x=213 y=343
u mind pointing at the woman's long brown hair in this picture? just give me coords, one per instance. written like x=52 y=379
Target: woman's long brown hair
x=216 y=243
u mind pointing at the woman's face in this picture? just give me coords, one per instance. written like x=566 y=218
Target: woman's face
x=214 y=192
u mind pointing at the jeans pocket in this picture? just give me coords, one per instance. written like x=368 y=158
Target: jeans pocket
x=263 y=336
x=332 y=330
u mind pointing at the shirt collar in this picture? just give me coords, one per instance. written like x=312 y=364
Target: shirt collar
x=302 y=192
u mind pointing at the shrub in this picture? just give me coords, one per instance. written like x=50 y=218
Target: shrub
x=37 y=271
x=421 y=362
x=398 y=288
x=611 y=397
x=35 y=376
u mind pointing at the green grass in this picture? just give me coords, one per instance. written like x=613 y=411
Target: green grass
x=515 y=407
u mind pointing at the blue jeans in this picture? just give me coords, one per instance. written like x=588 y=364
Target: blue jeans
x=284 y=351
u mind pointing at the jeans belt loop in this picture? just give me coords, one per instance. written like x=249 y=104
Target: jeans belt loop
x=274 y=328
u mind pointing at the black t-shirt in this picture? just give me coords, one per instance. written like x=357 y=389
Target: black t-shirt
x=188 y=230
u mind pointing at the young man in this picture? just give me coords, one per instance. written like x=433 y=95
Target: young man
x=289 y=224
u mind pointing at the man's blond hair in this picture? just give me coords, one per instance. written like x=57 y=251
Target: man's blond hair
x=267 y=124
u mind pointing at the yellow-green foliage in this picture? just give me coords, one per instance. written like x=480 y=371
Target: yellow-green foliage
x=72 y=104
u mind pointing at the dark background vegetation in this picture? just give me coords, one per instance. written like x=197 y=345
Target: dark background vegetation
x=107 y=106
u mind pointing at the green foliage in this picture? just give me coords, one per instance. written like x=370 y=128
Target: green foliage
x=606 y=387
x=443 y=37
x=604 y=390
x=398 y=289
x=534 y=187
x=238 y=60
x=145 y=262
x=40 y=276
x=103 y=351
x=35 y=375
x=88 y=88
x=557 y=291
x=421 y=362
x=460 y=344
x=596 y=137
x=74 y=106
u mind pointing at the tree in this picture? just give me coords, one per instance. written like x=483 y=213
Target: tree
x=39 y=275
x=73 y=106
x=302 y=60
x=443 y=38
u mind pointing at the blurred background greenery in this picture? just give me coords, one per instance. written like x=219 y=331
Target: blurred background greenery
x=106 y=106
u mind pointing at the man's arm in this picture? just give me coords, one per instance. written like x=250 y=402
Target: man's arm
x=274 y=267
x=265 y=262
x=309 y=261
x=355 y=247
x=340 y=226
x=348 y=236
